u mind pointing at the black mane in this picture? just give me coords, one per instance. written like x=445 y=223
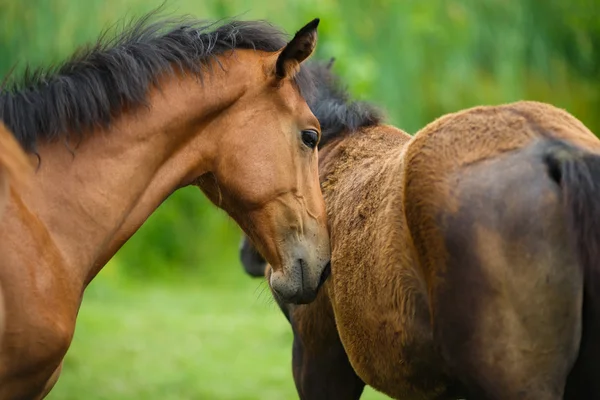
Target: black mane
x=98 y=82
x=329 y=101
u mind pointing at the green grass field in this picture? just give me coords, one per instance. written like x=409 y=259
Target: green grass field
x=215 y=336
x=195 y=340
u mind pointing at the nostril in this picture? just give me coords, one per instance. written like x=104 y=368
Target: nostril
x=301 y=265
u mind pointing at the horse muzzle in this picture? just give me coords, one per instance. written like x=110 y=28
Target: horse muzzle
x=299 y=284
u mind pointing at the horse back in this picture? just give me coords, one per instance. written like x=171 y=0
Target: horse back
x=439 y=153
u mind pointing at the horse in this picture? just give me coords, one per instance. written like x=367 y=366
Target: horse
x=122 y=124
x=464 y=258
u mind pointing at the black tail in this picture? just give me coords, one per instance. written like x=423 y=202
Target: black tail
x=577 y=172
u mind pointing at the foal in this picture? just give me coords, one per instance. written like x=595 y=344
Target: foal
x=124 y=124
x=460 y=258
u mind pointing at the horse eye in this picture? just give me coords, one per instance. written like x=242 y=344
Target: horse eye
x=310 y=138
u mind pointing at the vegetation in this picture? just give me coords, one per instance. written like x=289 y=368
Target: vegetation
x=173 y=316
x=195 y=341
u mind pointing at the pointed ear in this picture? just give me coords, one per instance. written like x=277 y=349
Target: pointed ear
x=297 y=50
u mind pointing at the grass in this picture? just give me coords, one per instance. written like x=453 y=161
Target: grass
x=189 y=340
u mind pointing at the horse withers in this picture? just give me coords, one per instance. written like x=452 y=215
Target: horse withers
x=122 y=125
x=462 y=259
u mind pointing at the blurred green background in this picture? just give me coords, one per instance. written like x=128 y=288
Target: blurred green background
x=173 y=316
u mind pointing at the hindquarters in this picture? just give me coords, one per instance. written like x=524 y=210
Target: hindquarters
x=506 y=290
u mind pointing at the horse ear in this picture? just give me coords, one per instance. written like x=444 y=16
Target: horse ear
x=297 y=50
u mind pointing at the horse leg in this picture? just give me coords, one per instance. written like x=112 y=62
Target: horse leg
x=324 y=375
x=507 y=301
x=320 y=365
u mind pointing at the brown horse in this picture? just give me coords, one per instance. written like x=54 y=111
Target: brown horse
x=462 y=259
x=121 y=126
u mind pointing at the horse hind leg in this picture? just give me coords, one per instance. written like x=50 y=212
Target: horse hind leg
x=507 y=310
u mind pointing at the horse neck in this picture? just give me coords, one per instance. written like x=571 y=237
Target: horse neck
x=94 y=199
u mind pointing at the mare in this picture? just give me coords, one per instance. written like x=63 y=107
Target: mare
x=464 y=259
x=123 y=124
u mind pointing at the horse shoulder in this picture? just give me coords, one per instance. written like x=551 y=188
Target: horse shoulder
x=40 y=304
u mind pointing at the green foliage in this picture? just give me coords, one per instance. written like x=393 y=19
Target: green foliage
x=416 y=59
